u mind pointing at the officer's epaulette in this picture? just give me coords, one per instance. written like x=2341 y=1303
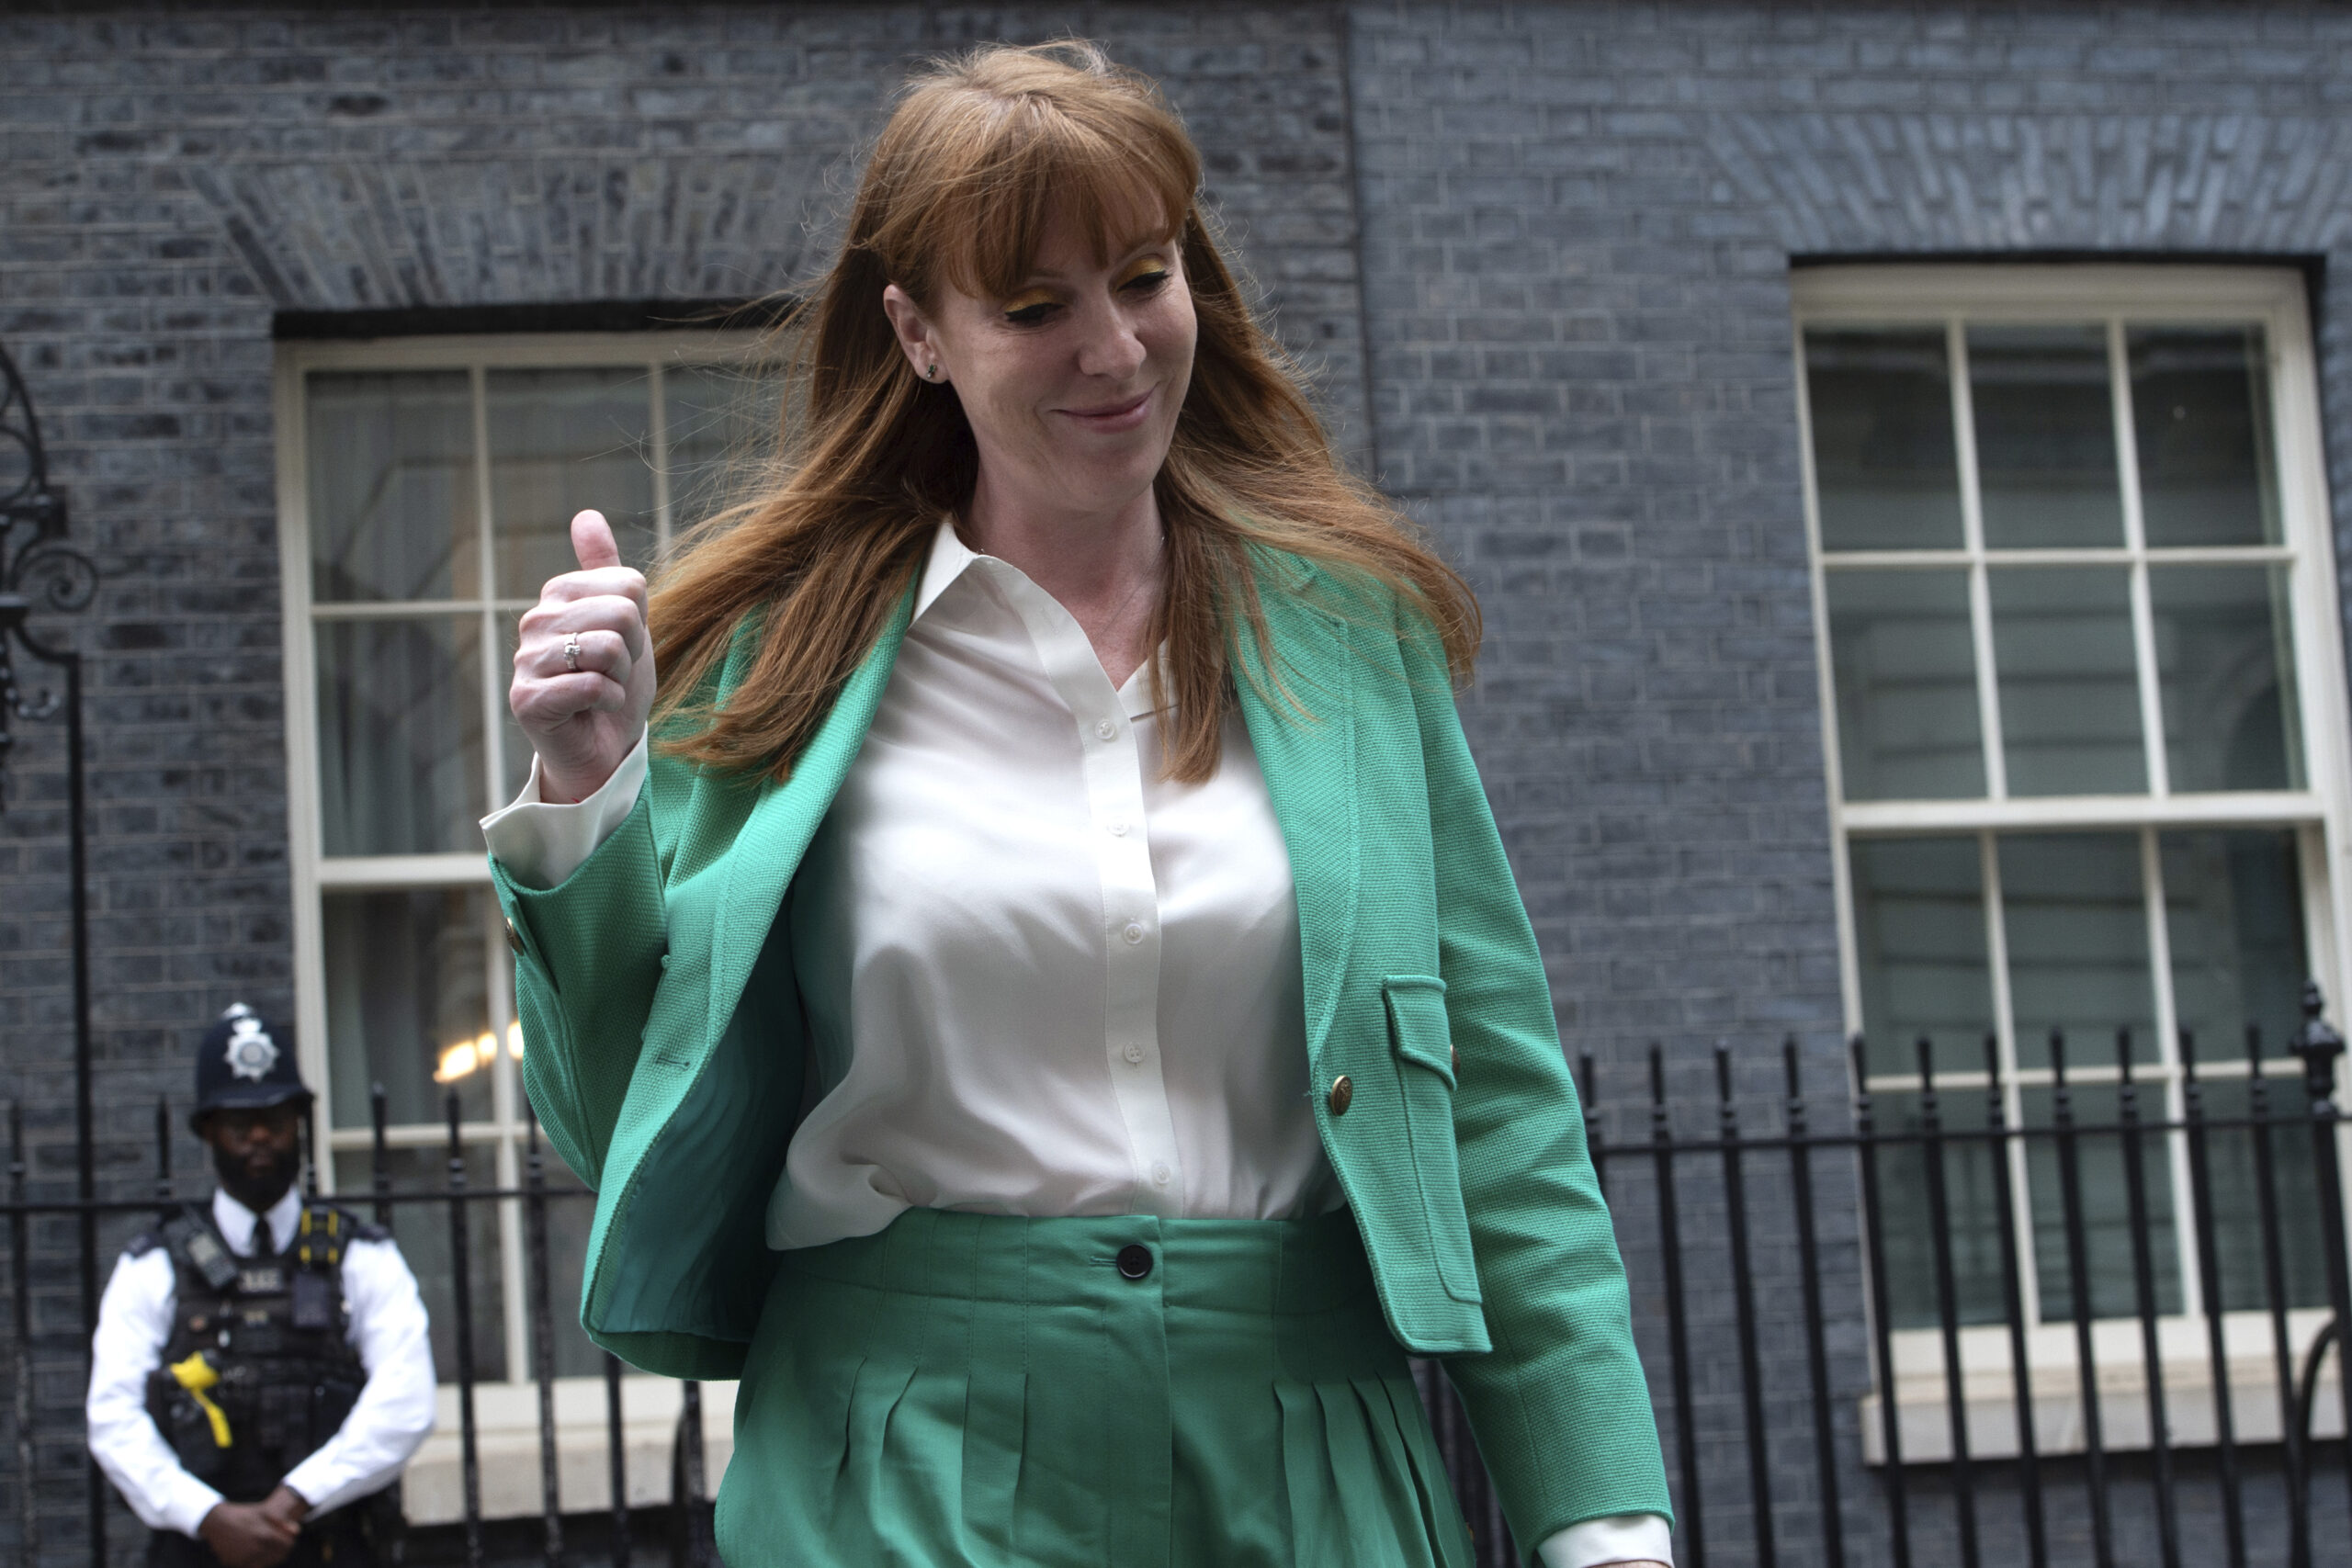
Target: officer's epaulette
x=324 y=1230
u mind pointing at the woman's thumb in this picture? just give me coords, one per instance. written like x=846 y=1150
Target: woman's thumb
x=591 y=541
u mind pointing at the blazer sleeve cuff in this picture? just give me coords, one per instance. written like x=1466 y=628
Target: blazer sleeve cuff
x=542 y=843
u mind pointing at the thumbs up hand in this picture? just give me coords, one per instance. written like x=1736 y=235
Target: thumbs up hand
x=584 y=667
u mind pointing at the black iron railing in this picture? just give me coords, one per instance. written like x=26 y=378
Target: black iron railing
x=1728 y=1235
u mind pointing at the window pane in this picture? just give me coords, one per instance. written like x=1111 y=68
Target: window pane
x=1904 y=664
x=1881 y=405
x=408 y=1006
x=2076 y=923
x=2105 y=1205
x=399 y=736
x=2232 y=1156
x=571 y=1208
x=2045 y=436
x=560 y=441
x=2228 y=675
x=1972 y=1218
x=423 y=1232
x=392 y=486
x=1919 y=935
x=514 y=747
x=2201 y=400
x=723 y=426
x=2233 y=909
x=2070 y=693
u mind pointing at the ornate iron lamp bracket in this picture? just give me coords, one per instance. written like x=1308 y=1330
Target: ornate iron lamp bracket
x=37 y=568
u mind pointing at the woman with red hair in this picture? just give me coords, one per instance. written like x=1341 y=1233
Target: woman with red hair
x=1035 y=983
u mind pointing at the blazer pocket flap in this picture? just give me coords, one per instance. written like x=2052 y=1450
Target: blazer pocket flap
x=1417 y=1031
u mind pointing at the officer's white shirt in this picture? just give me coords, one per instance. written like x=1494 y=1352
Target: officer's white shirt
x=387 y=1328
x=1005 y=819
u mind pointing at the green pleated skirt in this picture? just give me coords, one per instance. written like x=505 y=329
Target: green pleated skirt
x=988 y=1389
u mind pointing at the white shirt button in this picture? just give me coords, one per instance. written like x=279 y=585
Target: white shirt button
x=1133 y=1055
x=1106 y=730
x=1119 y=829
x=1133 y=934
x=1159 y=1173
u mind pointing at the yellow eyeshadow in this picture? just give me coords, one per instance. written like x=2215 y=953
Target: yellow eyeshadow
x=1028 y=298
x=1142 y=266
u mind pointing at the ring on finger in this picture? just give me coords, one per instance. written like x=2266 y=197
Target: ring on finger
x=572 y=652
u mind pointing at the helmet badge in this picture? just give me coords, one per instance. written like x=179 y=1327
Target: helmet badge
x=251 y=1052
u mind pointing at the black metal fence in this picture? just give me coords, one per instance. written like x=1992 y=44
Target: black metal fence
x=1766 y=1450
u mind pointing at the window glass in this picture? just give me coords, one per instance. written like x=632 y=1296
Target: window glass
x=2235 y=1160
x=2103 y=1203
x=2233 y=920
x=723 y=426
x=570 y=1210
x=2070 y=691
x=2227 y=672
x=2076 y=919
x=561 y=441
x=399 y=735
x=424 y=1230
x=2045 y=436
x=392 y=489
x=1919 y=934
x=1908 y=1213
x=1883 y=463
x=2200 y=408
x=408 y=1001
x=1906 y=677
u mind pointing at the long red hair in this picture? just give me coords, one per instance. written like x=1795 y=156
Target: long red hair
x=980 y=151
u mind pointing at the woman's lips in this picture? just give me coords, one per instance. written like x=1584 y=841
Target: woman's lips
x=1112 y=417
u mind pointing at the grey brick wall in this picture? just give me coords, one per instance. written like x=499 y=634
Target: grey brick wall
x=1576 y=223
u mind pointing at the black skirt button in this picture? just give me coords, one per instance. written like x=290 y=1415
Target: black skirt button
x=1135 y=1262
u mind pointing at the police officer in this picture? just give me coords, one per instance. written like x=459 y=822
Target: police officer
x=261 y=1364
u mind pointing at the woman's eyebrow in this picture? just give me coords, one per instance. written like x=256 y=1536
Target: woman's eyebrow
x=1037 y=275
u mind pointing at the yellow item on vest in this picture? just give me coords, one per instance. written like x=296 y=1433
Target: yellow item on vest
x=196 y=1374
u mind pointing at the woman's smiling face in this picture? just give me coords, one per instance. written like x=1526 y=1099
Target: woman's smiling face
x=1071 y=384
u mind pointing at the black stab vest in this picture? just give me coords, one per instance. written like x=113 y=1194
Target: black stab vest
x=273 y=1327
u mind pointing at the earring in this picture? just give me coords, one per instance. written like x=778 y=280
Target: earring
x=931 y=371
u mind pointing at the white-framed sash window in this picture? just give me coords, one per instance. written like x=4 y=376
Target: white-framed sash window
x=2085 y=723
x=425 y=488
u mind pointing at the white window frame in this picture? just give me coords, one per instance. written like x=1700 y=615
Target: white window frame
x=313 y=875
x=1950 y=297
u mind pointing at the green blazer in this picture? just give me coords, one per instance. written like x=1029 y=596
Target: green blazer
x=666 y=1057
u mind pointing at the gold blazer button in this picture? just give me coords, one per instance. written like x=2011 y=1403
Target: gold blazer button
x=1343 y=1094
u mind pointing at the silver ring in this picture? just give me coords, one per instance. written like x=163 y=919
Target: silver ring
x=572 y=652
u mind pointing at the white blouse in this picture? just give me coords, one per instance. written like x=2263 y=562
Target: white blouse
x=1040 y=978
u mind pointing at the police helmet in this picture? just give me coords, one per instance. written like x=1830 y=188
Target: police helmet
x=243 y=1066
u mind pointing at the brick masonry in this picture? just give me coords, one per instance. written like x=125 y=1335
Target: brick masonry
x=1578 y=222
x=1563 y=232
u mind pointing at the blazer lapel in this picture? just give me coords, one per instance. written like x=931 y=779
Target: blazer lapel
x=1309 y=762
x=785 y=818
